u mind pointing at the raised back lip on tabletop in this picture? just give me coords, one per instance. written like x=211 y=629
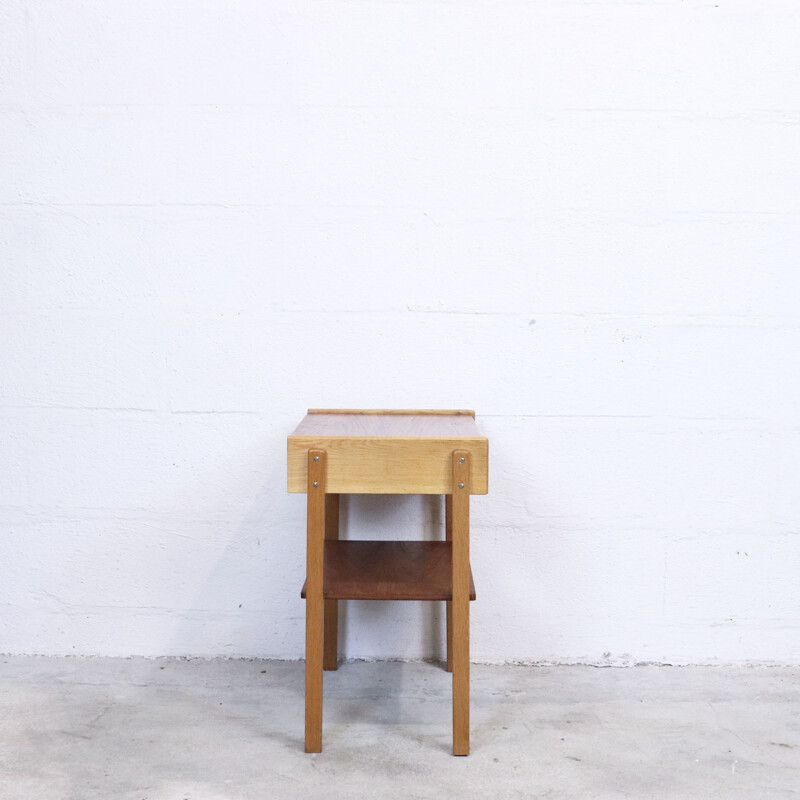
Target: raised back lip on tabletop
x=459 y=412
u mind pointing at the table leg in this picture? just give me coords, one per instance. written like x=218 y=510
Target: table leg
x=460 y=603
x=330 y=657
x=315 y=553
x=448 y=535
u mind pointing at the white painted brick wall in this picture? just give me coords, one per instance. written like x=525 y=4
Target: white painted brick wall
x=580 y=218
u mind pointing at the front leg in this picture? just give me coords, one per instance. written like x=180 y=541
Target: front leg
x=460 y=604
x=315 y=555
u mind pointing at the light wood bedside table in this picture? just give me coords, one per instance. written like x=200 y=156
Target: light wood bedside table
x=361 y=451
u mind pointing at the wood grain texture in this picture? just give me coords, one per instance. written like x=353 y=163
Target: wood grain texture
x=388 y=465
x=315 y=544
x=369 y=425
x=460 y=603
x=448 y=537
x=369 y=570
x=330 y=656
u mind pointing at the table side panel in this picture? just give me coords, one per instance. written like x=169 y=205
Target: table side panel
x=384 y=465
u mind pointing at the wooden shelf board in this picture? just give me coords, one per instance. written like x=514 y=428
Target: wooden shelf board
x=370 y=570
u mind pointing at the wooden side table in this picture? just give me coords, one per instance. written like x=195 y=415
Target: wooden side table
x=337 y=451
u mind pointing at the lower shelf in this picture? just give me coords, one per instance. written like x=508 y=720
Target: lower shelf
x=356 y=570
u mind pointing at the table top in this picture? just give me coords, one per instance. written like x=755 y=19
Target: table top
x=388 y=451
x=394 y=423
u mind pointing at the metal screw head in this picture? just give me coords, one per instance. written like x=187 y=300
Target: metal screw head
x=460 y=485
x=462 y=459
x=316 y=483
x=316 y=458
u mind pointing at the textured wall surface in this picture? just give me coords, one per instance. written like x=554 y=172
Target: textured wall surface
x=581 y=219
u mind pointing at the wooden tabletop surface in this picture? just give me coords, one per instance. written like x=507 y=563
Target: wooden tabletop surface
x=413 y=423
x=406 y=451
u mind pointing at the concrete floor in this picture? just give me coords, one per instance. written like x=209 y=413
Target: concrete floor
x=137 y=729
